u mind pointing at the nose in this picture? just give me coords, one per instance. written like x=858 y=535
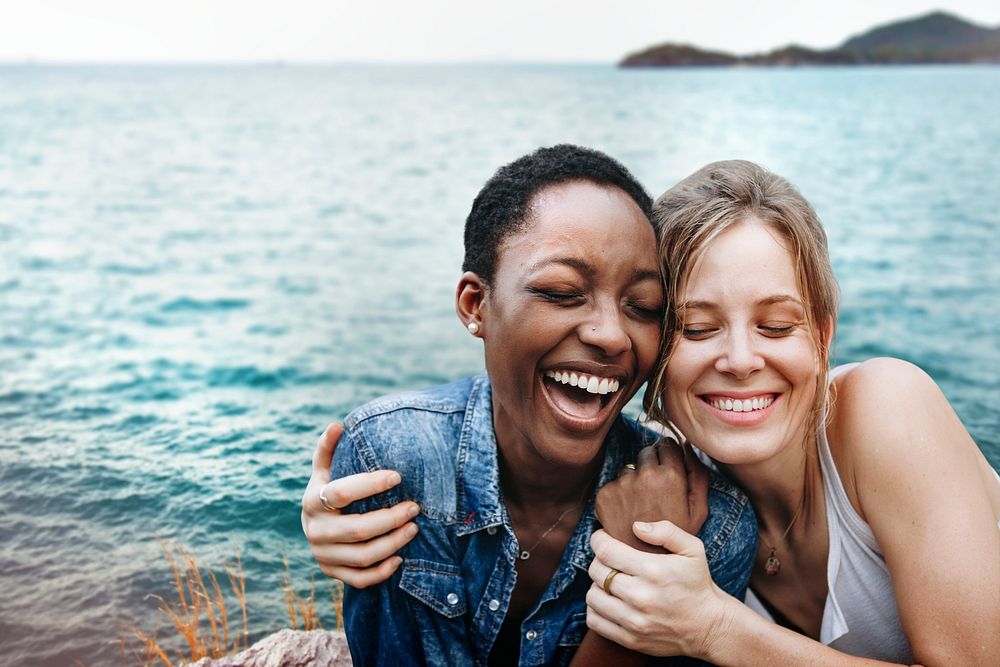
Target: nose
x=606 y=330
x=739 y=356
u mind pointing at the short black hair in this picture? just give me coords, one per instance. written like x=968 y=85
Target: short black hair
x=502 y=206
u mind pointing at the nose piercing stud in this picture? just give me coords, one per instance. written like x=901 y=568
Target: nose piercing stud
x=473 y=328
x=593 y=328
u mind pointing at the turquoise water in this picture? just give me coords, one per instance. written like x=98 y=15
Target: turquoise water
x=200 y=267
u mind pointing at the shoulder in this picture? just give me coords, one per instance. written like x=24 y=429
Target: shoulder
x=891 y=431
x=884 y=376
x=442 y=399
x=880 y=405
x=415 y=433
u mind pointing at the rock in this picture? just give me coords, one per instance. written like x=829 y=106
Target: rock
x=289 y=648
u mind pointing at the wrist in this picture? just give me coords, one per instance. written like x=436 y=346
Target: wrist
x=721 y=627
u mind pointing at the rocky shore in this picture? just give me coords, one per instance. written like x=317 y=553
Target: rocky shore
x=289 y=648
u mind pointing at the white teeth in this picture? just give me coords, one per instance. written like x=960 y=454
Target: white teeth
x=745 y=405
x=591 y=383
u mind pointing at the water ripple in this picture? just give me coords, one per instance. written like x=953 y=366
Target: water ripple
x=179 y=325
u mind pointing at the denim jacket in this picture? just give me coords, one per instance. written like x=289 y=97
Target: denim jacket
x=446 y=603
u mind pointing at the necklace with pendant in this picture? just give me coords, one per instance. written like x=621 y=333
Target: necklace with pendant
x=526 y=553
x=772 y=565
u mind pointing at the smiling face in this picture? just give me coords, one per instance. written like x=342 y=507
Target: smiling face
x=570 y=322
x=741 y=378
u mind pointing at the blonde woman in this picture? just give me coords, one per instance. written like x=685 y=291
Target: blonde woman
x=878 y=515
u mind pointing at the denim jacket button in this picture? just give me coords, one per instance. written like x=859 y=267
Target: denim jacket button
x=494 y=605
x=452 y=599
x=492 y=530
x=530 y=635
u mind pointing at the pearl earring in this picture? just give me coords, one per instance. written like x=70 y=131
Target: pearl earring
x=473 y=328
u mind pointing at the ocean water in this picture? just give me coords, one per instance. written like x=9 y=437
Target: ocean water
x=200 y=267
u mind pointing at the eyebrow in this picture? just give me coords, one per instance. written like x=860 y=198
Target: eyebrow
x=587 y=270
x=766 y=301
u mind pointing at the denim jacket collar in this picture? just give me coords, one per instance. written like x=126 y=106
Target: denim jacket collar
x=478 y=473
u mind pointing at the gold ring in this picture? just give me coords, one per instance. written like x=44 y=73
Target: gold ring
x=325 y=503
x=630 y=466
x=607 y=580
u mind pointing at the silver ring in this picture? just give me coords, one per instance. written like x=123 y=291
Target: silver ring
x=326 y=503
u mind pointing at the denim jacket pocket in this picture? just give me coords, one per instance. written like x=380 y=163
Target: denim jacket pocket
x=576 y=628
x=437 y=585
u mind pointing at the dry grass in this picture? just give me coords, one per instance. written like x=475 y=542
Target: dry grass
x=298 y=608
x=200 y=614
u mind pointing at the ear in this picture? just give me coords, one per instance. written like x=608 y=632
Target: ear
x=469 y=297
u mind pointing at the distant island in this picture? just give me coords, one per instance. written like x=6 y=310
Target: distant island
x=937 y=37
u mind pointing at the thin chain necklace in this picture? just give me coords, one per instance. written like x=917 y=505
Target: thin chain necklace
x=772 y=565
x=525 y=554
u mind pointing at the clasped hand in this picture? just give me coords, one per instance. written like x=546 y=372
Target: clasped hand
x=663 y=602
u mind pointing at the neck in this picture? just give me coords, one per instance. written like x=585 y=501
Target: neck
x=782 y=489
x=528 y=479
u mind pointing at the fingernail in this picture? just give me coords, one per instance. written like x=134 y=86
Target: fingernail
x=413 y=510
x=394 y=478
x=642 y=526
x=411 y=530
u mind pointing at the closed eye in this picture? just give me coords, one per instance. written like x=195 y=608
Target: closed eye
x=777 y=330
x=557 y=296
x=646 y=312
x=697 y=333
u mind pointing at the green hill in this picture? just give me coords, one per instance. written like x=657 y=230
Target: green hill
x=937 y=37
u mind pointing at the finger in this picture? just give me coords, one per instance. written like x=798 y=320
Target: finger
x=353 y=528
x=698 y=477
x=342 y=492
x=324 y=450
x=610 y=552
x=669 y=453
x=365 y=554
x=697 y=471
x=646 y=457
x=599 y=572
x=667 y=535
x=609 y=606
x=608 y=629
x=363 y=578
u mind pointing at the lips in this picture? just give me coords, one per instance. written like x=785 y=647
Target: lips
x=582 y=399
x=745 y=409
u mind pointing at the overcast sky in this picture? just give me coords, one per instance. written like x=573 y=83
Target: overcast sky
x=431 y=30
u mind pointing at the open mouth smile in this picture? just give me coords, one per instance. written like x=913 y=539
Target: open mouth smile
x=581 y=399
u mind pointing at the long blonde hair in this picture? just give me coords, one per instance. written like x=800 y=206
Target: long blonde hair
x=691 y=214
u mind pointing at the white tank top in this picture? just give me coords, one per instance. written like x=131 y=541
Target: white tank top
x=860 y=616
